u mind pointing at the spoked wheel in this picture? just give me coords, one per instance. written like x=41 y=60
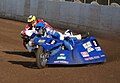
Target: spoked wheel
x=41 y=57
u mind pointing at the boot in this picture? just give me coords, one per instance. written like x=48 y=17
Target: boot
x=85 y=35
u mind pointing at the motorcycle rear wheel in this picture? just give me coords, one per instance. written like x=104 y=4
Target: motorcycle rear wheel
x=41 y=57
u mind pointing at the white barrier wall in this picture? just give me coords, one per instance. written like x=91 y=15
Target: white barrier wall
x=76 y=16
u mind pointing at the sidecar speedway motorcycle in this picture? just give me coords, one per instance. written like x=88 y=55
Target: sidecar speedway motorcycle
x=85 y=51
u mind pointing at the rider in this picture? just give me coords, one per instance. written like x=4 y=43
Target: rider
x=66 y=37
x=46 y=32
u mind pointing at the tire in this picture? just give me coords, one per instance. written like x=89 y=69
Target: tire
x=41 y=57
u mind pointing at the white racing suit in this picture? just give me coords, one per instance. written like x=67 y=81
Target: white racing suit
x=31 y=33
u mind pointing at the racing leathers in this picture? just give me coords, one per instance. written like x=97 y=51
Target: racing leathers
x=47 y=32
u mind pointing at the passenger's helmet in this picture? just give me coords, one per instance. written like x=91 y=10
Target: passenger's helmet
x=68 y=33
x=32 y=20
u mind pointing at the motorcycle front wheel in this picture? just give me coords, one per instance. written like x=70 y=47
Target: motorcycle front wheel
x=41 y=57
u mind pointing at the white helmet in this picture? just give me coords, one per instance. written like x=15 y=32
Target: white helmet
x=68 y=33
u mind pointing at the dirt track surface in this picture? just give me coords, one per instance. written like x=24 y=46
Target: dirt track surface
x=16 y=65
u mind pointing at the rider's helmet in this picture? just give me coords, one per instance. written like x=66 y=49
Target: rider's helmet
x=40 y=28
x=68 y=33
x=32 y=20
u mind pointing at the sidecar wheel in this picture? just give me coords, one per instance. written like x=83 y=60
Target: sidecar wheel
x=41 y=57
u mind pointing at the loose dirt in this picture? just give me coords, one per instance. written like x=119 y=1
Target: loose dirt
x=17 y=65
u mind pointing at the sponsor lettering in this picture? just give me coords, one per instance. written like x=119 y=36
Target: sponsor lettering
x=61 y=57
x=85 y=54
x=102 y=55
x=62 y=54
x=86 y=59
x=98 y=48
x=90 y=49
x=65 y=62
x=96 y=57
x=92 y=58
x=88 y=46
x=41 y=41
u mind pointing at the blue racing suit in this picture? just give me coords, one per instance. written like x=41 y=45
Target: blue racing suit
x=57 y=35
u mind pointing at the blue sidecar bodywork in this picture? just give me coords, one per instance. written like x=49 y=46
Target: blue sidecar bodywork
x=85 y=52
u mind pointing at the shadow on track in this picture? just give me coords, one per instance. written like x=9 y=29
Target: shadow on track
x=33 y=65
x=25 y=54
x=26 y=64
